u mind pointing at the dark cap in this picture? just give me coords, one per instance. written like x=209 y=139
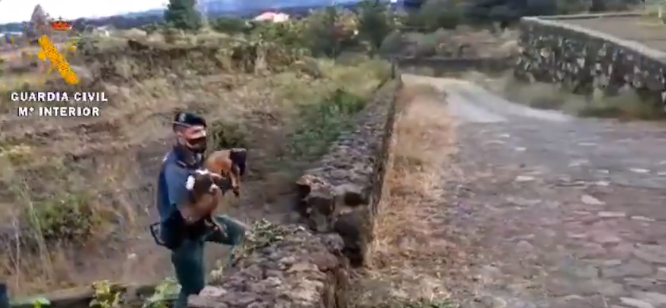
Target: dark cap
x=188 y=119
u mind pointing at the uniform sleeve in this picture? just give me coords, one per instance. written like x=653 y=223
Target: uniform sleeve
x=176 y=178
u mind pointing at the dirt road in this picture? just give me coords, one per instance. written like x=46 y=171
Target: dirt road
x=552 y=211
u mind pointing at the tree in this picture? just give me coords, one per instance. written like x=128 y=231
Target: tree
x=323 y=31
x=38 y=23
x=39 y=17
x=182 y=14
x=376 y=22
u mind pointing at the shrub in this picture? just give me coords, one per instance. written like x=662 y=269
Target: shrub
x=435 y=14
x=68 y=218
x=227 y=135
x=393 y=43
x=230 y=25
x=441 y=14
x=323 y=32
x=323 y=122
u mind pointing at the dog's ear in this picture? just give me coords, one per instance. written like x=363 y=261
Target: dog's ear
x=238 y=157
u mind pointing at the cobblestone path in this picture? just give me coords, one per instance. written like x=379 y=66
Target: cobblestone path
x=554 y=211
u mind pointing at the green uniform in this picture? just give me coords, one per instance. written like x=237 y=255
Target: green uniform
x=187 y=242
x=188 y=259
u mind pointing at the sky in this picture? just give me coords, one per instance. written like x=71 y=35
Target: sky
x=21 y=10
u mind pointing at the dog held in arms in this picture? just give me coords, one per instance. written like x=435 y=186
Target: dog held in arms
x=222 y=172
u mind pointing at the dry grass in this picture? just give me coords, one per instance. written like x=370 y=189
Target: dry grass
x=409 y=254
x=652 y=12
x=20 y=65
x=625 y=106
x=90 y=178
x=461 y=42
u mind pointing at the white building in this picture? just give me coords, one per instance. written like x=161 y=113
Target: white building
x=272 y=17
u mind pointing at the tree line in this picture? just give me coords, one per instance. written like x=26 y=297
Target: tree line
x=425 y=15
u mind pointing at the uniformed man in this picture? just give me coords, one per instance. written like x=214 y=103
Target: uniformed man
x=183 y=235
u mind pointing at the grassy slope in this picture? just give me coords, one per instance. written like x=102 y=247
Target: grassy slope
x=68 y=182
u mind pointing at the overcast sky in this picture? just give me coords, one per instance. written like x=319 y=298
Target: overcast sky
x=20 y=10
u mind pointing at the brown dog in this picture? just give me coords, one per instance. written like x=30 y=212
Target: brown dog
x=223 y=172
x=230 y=165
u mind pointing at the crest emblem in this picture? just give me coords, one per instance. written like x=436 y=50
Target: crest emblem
x=61 y=25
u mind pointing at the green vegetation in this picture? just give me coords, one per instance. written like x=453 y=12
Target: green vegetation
x=375 y=22
x=322 y=122
x=426 y=15
x=182 y=14
x=106 y=295
x=35 y=302
x=283 y=90
x=230 y=25
x=436 y=14
x=67 y=218
x=224 y=135
x=165 y=292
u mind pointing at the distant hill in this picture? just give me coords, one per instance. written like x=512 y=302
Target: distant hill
x=153 y=12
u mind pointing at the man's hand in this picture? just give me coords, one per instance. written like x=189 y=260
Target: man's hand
x=210 y=222
x=225 y=183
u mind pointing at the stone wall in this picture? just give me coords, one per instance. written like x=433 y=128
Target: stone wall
x=301 y=270
x=584 y=60
x=341 y=193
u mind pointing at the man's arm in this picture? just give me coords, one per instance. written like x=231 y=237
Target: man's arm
x=176 y=179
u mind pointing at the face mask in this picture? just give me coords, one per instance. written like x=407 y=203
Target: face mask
x=198 y=145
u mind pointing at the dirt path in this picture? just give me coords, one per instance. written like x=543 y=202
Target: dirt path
x=551 y=211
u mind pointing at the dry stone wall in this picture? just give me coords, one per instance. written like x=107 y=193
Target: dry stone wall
x=341 y=194
x=302 y=270
x=338 y=200
x=585 y=60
